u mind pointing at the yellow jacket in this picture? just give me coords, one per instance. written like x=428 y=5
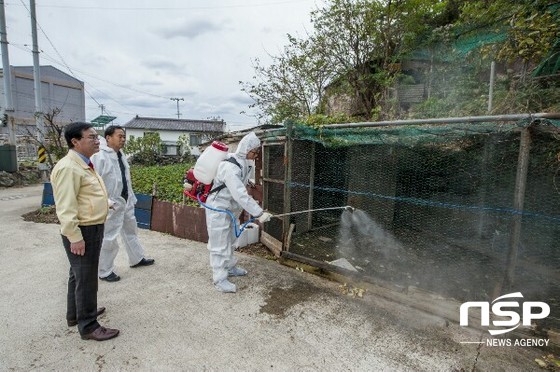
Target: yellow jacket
x=79 y=194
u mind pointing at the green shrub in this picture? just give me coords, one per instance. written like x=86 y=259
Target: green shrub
x=168 y=181
x=144 y=150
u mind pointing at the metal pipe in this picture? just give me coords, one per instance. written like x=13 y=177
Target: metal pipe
x=491 y=87
x=469 y=119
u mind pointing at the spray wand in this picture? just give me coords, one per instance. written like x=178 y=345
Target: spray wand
x=346 y=207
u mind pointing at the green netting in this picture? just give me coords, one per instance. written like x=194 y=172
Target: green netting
x=462 y=46
x=407 y=135
x=466 y=44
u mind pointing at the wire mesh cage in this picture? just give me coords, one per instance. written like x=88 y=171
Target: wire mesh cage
x=465 y=210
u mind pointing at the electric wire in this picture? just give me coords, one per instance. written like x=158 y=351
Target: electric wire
x=169 y=8
x=63 y=62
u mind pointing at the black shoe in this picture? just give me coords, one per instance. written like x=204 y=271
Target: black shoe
x=111 y=277
x=101 y=334
x=145 y=262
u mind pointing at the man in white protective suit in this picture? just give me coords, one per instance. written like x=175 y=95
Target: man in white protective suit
x=111 y=164
x=234 y=174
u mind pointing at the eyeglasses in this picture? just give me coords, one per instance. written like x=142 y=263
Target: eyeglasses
x=92 y=137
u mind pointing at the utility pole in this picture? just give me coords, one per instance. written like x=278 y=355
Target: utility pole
x=102 y=107
x=37 y=76
x=177 y=99
x=38 y=97
x=10 y=162
x=7 y=72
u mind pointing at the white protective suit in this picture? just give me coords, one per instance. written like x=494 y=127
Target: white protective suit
x=233 y=197
x=121 y=220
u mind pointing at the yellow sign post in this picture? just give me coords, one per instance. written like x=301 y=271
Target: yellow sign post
x=42 y=154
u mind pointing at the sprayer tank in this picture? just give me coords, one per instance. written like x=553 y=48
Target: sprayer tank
x=207 y=164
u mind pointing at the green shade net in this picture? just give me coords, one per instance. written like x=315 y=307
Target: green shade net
x=408 y=135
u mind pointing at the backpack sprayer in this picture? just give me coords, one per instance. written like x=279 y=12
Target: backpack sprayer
x=198 y=183
x=199 y=179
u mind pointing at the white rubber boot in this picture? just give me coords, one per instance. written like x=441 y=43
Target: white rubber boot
x=225 y=286
x=237 y=271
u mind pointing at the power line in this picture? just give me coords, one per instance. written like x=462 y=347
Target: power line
x=56 y=62
x=55 y=49
x=50 y=58
x=72 y=72
x=63 y=63
x=74 y=75
x=170 y=8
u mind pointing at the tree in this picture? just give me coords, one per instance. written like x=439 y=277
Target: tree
x=52 y=134
x=516 y=35
x=356 y=48
x=183 y=143
x=56 y=144
x=366 y=39
x=352 y=50
x=292 y=87
x=144 y=150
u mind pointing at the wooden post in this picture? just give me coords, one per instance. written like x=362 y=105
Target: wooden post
x=518 y=201
x=311 y=187
x=287 y=180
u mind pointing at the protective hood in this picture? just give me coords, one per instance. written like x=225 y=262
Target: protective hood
x=103 y=145
x=247 y=143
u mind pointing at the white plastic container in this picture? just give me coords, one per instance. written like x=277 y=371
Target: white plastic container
x=252 y=231
x=206 y=166
x=249 y=235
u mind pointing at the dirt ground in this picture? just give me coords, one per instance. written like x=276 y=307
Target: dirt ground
x=171 y=318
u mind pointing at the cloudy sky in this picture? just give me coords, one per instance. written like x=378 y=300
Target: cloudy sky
x=135 y=55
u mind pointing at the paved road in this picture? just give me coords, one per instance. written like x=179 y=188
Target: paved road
x=172 y=319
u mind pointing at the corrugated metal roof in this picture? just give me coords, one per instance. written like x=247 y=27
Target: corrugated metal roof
x=183 y=125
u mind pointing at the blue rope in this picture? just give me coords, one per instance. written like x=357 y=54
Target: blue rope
x=432 y=203
x=231 y=215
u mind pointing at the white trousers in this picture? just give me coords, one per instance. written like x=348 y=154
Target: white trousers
x=221 y=237
x=120 y=222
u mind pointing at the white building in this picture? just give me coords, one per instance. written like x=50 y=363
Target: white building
x=197 y=131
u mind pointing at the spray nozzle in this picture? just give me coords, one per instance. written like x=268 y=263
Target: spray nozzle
x=349 y=209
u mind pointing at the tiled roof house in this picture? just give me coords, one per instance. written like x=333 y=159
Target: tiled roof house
x=198 y=131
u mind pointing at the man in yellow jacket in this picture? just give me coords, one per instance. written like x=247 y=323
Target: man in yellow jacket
x=81 y=206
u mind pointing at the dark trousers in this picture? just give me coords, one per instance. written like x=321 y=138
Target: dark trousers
x=82 y=280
